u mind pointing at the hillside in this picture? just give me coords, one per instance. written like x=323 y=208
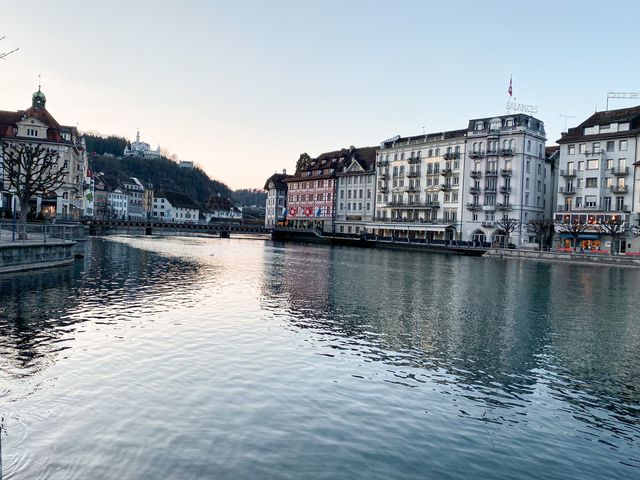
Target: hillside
x=162 y=173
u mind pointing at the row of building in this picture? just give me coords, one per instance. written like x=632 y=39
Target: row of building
x=84 y=193
x=455 y=185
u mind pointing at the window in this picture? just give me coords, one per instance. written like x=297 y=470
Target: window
x=622 y=146
x=581 y=165
x=528 y=166
x=608 y=182
x=528 y=145
x=582 y=148
x=593 y=164
x=590 y=201
x=592 y=182
x=526 y=184
x=623 y=127
x=596 y=147
x=610 y=145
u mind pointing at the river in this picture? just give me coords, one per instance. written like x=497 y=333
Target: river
x=198 y=358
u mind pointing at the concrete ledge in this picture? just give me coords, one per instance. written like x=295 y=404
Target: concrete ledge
x=585 y=259
x=19 y=256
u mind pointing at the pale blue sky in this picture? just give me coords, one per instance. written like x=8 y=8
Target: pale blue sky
x=243 y=87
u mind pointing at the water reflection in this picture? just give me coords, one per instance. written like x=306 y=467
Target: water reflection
x=41 y=311
x=499 y=334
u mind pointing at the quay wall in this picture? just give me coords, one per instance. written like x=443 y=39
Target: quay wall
x=591 y=259
x=15 y=257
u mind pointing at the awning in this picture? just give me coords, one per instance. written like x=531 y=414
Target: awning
x=581 y=236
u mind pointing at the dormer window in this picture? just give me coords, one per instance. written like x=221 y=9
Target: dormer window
x=479 y=126
x=623 y=127
x=32 y=132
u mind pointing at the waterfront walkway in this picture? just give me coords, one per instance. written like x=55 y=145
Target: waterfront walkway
x=567 y=257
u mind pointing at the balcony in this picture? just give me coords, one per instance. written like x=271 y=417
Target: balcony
x=568 y=173
x=383 y=163
x=476 y=154
x=490 y=189
x=413 y=160
x=620 y=172
x=488 y=224
x=383 y=176
x=503 y=206
x=568 y=190
x=505 y=189
x=475 y=191
x=447 y=172
x=491 y=173
x=505 y=172
x=451 y=156
x=476 y=174
x=412 y=189
x=445 y=187
x=506 y=152
x=474 y=207
x=493 y=152
x=433 y=188
x=413 y=173
x=488 y=208
x=397 y=203
x=383 y=189
x=432 y=204
x=619 y=190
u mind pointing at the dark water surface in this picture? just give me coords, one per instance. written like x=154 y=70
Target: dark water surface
x=188 y=358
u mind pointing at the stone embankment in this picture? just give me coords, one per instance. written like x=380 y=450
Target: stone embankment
x=566 y=257
x=30 y=255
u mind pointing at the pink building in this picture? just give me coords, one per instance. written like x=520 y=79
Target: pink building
x=312 y=189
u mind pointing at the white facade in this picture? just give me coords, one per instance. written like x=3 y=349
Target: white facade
x=276 y=202
x=355 y=197
x=167 y=209
x=599 y=179
x=135 y=193
x=506 y=175
x=419 y=187
x=140 y=149
x=118 y=203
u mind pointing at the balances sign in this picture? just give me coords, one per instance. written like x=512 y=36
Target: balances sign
x=519 y=107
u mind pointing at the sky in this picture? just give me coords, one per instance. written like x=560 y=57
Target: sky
x=243 y=87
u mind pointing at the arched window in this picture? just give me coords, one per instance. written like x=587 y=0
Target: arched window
x=430 y=153
x=528 y=145
x=457 y=150
x=395 y=156
x=437 y=152
x=512 y=144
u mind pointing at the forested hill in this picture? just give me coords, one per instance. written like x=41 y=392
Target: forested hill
x=162 y=173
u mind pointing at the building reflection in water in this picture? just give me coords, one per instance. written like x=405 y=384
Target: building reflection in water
x=497 y=332
x=41 y=311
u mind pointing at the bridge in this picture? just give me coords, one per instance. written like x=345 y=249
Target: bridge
x=224 y=229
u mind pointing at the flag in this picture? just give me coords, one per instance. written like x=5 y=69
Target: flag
x=308 y=211
x=510 y=86
x=318 y=212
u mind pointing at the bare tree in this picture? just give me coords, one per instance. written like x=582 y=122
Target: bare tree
x=507 y=226
x=540 y=227
x=574 y=229
x=29 y=170
x=616 y=229
x=4 y=55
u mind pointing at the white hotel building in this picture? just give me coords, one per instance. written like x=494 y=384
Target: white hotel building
x=454 y=185
x=506 y=174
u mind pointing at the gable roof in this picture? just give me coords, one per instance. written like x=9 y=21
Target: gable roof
x=176 y=199
x=622 y=115
x=327 y=164
x=278 y=179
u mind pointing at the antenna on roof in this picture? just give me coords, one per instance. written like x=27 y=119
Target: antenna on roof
x=621 y=95
x=565 y=120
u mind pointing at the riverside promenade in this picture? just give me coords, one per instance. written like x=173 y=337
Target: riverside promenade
x=566 y=257
x=46 y=247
